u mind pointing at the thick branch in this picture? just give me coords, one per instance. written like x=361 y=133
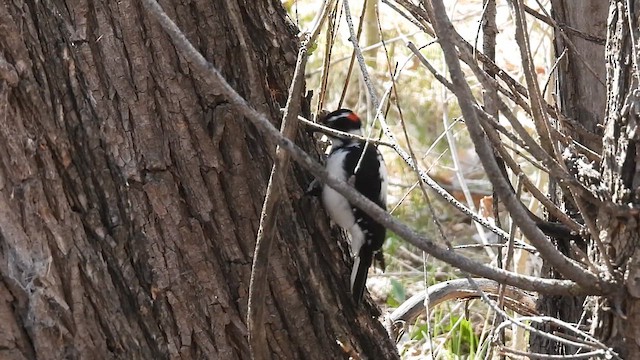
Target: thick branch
x=459 y=289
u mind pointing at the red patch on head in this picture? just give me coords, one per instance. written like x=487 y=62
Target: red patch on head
x=353 y=117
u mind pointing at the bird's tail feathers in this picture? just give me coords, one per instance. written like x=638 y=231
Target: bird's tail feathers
x=359 y=272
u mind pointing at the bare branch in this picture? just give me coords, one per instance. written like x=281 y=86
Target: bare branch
x=522 y=322
x=533 y=355
x=338 y=133
x=590 y=342
x=539 y=115
x=266 y=231
x=513 y=165
x=471 y=55
x=498 y=144
x=326 y=61
x=548 y=20
x=459 y=289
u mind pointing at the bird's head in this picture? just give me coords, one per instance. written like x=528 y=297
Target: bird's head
x=343 y=120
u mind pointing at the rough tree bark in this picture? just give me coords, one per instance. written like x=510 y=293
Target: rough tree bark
x=606 y=100
x=618 y=222
x=580 y=95
x=130 y=192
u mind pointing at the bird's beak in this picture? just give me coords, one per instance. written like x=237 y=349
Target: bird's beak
x=320 y=119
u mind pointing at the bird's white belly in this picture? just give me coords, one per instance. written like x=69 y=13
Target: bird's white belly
x=336 y=205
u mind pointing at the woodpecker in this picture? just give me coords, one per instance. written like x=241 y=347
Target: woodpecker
x=370 y=179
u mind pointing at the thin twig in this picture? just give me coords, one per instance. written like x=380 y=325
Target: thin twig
x=338 y=133
x=427 y=199
x=459 y=175
x=364 y=50
x=539 y=116
x=428 y=65
x=266 y=231
x=320 y=19
x=521 y=322
x=352 y=57
x=517 y=245
x=394 y=77
x=513 y=165
x=326 y=60
x=410 y=19
x=633 y=33
x=508 y=259
x=552 y=70
x=587 y=339
x=573 y=31
x=259 y=270
x=365 y=75
x=595 y=235
x=532 y=355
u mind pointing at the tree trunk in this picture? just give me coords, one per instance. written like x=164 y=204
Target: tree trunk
x=130 y=191
x=581 y=96
x=617 y=319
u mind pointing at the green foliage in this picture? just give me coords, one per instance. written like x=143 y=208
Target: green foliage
x=391 y=244
x=454 y=331
x=463 y=341
x=397 y=295
x=312 y=48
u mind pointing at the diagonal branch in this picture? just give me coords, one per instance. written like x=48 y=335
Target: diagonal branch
x=341 y=134
x=539 y=116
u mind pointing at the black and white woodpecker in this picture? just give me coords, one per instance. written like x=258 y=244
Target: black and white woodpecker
x=368 y=174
